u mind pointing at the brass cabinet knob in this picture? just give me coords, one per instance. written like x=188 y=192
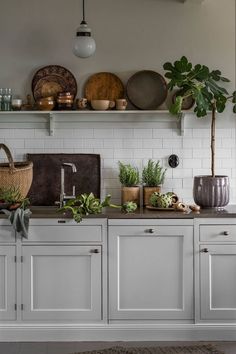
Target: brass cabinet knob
x=226 y=233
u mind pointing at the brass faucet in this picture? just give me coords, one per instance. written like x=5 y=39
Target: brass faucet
x=63 y=196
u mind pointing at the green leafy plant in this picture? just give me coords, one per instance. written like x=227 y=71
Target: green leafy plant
x=86 y=204
x=13 y=197
x=128 y=175
x=153 y=174
x=204 y=86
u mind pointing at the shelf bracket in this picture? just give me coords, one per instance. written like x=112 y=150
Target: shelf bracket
x=181 y=120
x=51 y=124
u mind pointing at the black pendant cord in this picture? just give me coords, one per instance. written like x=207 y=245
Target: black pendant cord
x=83 y=12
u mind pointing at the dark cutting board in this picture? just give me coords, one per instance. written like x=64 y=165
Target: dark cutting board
x=46 y=185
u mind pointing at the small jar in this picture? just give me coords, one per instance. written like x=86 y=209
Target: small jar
x=7 y=98
x=16 y=104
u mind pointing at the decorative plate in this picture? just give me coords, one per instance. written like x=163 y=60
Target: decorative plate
x=51 y=80
x=104 y=86
x=150 y=207
x=146 y=89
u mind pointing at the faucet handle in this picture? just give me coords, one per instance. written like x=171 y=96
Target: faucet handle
x=57 y=203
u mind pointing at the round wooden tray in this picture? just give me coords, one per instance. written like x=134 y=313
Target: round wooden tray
x=104 y=86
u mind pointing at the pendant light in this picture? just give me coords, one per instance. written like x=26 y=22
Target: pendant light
x=84 y=44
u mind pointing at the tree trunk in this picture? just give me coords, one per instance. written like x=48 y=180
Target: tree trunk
x=213 y=131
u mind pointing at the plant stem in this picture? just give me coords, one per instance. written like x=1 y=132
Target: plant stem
x=213 y=130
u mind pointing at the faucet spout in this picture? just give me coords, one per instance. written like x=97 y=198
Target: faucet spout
x=63 y=196
x=72 y=165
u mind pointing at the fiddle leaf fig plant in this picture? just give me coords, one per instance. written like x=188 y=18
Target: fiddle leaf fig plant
x=205 y=86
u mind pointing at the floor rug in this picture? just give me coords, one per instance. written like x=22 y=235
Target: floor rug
x=195 y=349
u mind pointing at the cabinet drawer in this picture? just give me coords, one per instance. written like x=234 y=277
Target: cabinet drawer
x=221 y=232
x=64 y=233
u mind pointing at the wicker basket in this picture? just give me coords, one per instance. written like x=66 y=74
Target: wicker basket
x=18 y=175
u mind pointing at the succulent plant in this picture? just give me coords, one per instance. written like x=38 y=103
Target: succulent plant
x=153 y=174
x=128 y=175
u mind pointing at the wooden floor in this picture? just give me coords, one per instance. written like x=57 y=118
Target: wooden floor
x=73 y=347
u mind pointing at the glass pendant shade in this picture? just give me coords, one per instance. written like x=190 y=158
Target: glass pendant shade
x=84 y=44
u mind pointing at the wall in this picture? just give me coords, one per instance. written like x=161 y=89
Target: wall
x=130 y=35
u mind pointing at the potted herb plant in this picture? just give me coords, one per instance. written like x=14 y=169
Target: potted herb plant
x=204 y=86
x=153 y=176
x=129 y=178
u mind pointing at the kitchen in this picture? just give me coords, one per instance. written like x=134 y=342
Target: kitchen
x=130 y=37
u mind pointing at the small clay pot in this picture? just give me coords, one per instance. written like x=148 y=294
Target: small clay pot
x=130 y=194
x=147 y=192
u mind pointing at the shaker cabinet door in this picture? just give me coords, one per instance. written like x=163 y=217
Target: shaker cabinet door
x=7 y=283
x=61 y=283
x=218 y=282
x=151 y=272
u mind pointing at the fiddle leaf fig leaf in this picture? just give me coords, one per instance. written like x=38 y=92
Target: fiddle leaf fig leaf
x=224 y=79
x=234 y=108
x=234 y=97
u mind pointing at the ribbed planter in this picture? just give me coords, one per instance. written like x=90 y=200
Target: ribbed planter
x=147 y=192
x=211 y=192
x=130 y=194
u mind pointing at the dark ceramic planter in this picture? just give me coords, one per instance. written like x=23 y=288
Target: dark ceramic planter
x=211 y=192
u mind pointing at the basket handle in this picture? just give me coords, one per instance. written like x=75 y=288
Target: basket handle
x=9 y=156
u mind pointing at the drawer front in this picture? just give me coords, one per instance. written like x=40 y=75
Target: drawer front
x=221 y=232
x=64 y=233
x=7 y=234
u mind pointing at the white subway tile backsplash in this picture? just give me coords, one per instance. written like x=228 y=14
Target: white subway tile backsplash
x=152 y=143
x=72 y=143
x=192 y=143
x=123 y=133
x=192 y=163
x=17 y=143
x=123 y=153
x=53 y=144
x=113 y=143
x=91 y=143
x=174 y=143
x=103 y=133
x=134 y=144
x=142 y=153
x=143 y=133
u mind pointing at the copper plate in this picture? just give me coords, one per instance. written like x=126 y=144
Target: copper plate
x=52 y=80
x=146 y=89
x=104 y=86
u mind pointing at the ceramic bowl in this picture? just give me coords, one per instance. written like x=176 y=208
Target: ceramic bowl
x=45 y=105
x=101 y=105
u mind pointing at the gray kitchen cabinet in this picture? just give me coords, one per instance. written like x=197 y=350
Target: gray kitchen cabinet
x=7 y=283
x=215 y=267
x=61 y=282
x=218 y=282
x=150 y=270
